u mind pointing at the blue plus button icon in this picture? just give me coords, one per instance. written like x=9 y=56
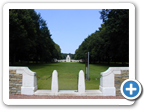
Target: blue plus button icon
x=130 y=89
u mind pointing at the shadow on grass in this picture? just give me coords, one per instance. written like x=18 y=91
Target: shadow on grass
x=33 y=65
x=111 y=64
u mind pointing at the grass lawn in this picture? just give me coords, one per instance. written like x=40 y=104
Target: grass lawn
x=68 y=72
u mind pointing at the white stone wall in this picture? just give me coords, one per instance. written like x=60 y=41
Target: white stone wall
x=61 y=60
x=70 y=61
x=75 y=60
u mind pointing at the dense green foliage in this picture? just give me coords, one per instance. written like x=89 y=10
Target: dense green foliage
x=30 y=38
x=111 y=42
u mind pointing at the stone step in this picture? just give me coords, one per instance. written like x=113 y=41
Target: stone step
x=69 y=93
x=44 y=92
x=92 y=93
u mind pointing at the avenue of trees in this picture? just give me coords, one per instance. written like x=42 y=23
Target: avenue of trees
x=30 y=38
x=111 y=42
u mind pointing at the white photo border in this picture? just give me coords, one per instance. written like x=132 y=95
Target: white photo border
x=8 y=6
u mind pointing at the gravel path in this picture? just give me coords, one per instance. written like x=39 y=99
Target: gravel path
x=62 y=97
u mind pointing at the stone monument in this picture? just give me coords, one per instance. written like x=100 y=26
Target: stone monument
x=68 y=59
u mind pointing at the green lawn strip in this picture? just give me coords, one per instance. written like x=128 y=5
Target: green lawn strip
x=68 y=72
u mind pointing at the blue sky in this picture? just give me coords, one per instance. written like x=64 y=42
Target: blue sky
x=69 y=27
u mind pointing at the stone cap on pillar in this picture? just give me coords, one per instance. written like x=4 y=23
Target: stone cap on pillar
x=114 y=70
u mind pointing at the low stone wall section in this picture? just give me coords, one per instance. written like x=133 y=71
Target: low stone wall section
x=111 y=80
x=119 y=78
x=15 y=82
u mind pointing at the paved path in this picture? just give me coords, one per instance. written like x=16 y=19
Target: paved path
x=62 y=97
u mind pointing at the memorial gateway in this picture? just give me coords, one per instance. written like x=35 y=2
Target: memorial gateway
x=68 y=59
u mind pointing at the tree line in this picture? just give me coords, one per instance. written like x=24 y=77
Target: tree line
x=30 y=38
x=111 y=42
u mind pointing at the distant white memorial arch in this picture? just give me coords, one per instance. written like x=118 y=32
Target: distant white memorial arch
x=68 y=59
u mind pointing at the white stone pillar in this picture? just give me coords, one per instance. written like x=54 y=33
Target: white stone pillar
x=81 y=82
x=29 y=80
x=107 y=81
x=54 y=84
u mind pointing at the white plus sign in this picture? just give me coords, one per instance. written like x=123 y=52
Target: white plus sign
x=131 y=89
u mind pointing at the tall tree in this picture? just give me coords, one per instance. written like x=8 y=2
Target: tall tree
x=20 y=34
x=117 y=28
x=111 y=42
x=30 y=38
